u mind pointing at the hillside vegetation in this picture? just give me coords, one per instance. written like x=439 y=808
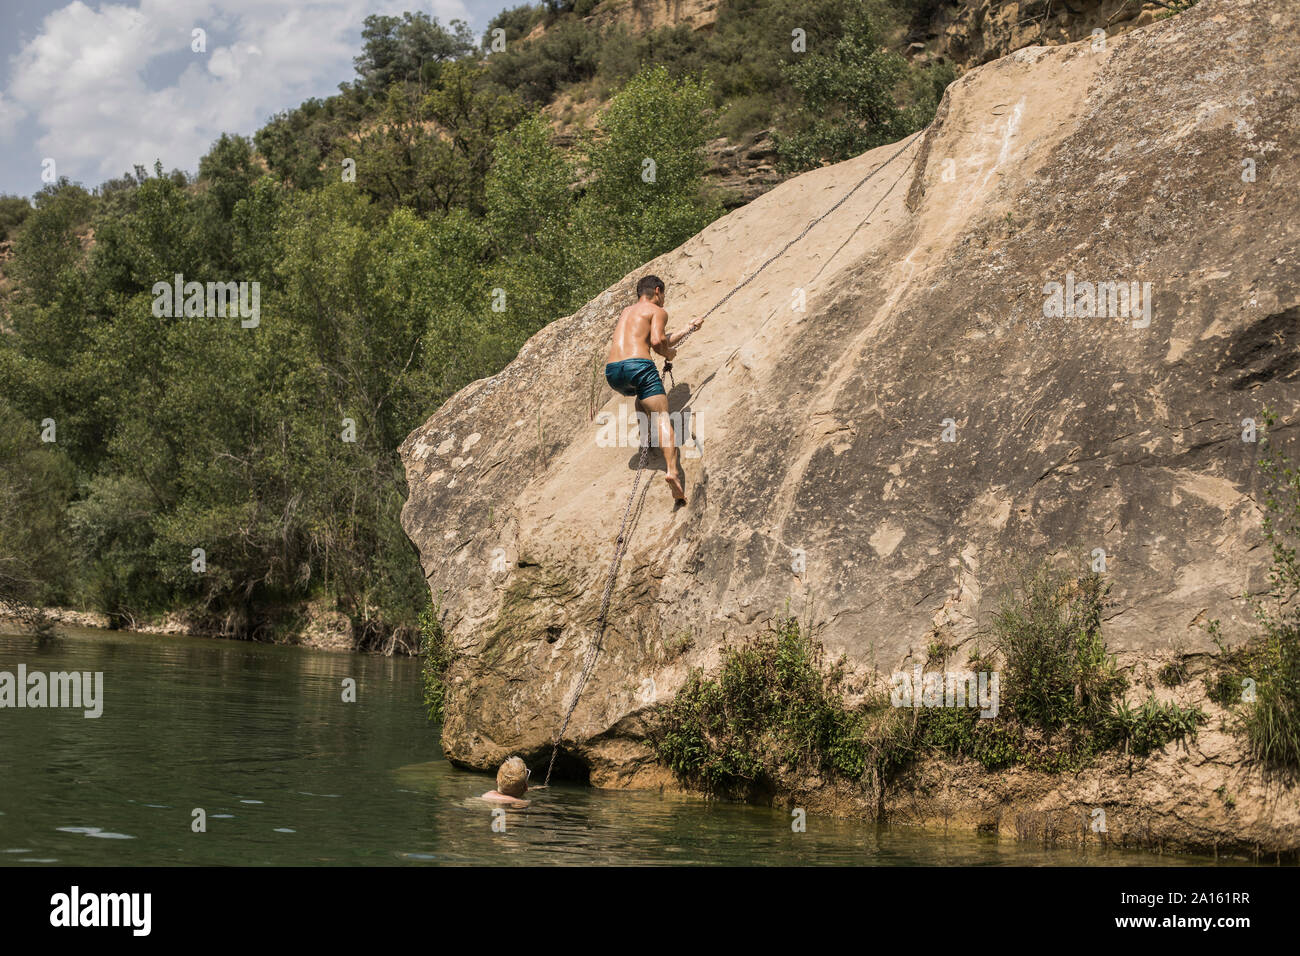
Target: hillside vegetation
x=406 y=236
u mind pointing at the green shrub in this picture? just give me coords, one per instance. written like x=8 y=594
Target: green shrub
x=1262 y=678
x=1172 y=674
x=1062 y=700
x=517 y=22
x=1149 y=727
x=774 y=709
x=847 y=95
x=961 y=732
x=927 y=86
x=1060 y=683
x=568 y=52
x=1260 y=683
x=746 y=115
x=435 y=646
x=1057 y=670
x=1273 y=723
x=1223 y=688
x=771 y=710
x=13 y=211
x=36 y=482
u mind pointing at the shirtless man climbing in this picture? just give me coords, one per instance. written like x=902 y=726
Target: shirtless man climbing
x=631 y=370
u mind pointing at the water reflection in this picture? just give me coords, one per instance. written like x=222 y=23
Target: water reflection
x=259 y=739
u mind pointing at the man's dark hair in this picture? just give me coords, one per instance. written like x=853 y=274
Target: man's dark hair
x=649 y=286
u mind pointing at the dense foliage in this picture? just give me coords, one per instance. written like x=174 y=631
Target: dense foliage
x=273 y=447
x=816 y=71
x=436 y=653
x=1063 y=700
x=775 y=713
x=773 y=708
x=406 y=236
x=1259 y=681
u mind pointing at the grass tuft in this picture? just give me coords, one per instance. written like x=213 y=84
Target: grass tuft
x=436 y=649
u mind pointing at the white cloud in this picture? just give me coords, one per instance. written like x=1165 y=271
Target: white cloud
x=84 y=79
x=10 y=115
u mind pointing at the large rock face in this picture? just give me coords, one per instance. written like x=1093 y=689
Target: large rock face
x=824 y=481
x=976 y=31
x=642 y=16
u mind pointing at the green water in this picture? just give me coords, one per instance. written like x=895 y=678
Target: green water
x=288 y=774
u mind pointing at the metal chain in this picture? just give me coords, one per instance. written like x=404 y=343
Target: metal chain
x=589 y=662
x=808 y=228
x=620 y=545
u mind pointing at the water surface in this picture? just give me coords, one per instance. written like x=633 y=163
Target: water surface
x=287 y=773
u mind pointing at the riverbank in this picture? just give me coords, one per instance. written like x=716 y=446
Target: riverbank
x=289 y=773
x=1198 y=800
x=1201 y=795
x=317 y=627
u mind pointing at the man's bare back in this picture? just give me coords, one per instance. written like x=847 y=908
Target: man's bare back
x=632 y=333
x=631 y=371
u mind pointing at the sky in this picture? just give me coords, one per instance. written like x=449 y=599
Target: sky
x=99 y=87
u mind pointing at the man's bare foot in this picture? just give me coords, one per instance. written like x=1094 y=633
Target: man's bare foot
x=675 y=484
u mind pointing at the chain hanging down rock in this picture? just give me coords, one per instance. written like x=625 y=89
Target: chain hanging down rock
x=589 y=661
x=620 y=544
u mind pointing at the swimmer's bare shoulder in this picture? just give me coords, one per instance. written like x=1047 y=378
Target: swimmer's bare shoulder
x=493 y=797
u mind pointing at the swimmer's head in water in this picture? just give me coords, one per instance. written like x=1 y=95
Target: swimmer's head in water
x=512 y=777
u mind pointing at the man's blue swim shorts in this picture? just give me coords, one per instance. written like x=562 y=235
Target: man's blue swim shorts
x=634 y=376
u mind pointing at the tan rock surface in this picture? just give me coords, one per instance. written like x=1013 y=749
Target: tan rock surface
x=974 y=32
x=822 y=431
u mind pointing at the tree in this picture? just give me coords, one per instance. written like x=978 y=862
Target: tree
x=517 y=22
x=45 y=357
x=13 y=211
x=36 y=482
x=410 y=48
x=530 y=205
x=50 y=244
x=848 y=95
x=226 y=177
x=646 y=161
x=432 y=154
x=528 y=190
x=297 y=144
x=568 y=52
